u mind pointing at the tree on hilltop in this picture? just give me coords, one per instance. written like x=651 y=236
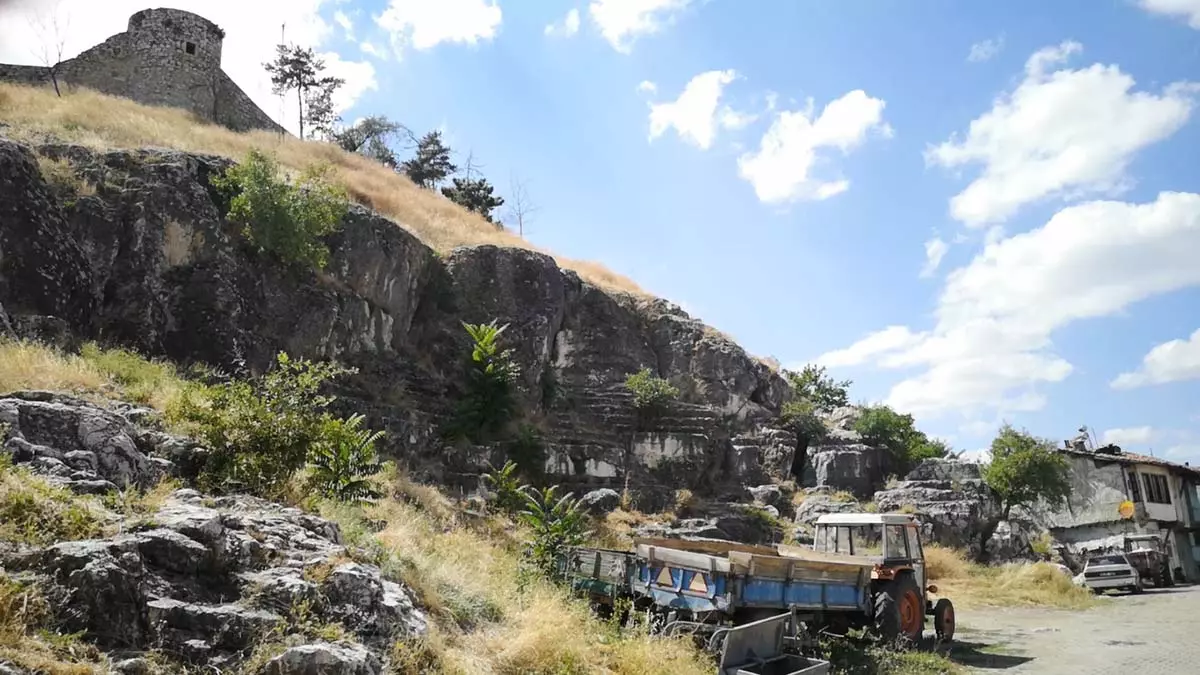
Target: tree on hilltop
x=826 y=393
x=373 y=137
x=301 y=69
x=431 y=164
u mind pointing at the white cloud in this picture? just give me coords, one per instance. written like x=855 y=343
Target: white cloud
x=985 y=50
x=647 y=87
x=935 y=250
x=991 y=344
x=694 y=114
x=734 y=119
x=359 y=77
x=423 y=25
x=622 y=21
x=1187 y=453
x=345 y=22
x=1173 y=361
x=780 y=169
x=374 y=50
x=1062 y=133
x=1188 y=10
x=567 y=27
x=247 y=45
x=1128 y=436
x=890 y=339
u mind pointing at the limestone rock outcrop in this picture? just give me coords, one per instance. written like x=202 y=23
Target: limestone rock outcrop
x=149 y=261
x=204 y=578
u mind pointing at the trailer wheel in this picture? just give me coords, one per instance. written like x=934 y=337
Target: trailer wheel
x=943 y=619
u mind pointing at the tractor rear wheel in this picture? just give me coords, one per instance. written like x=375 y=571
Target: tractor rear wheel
x=1166 y=579
x=899 y=611
x=887 y=614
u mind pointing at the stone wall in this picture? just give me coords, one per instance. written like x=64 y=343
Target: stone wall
x=235 y=110
x=168 y=58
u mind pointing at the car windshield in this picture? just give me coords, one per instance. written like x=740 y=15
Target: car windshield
x=1107 y=560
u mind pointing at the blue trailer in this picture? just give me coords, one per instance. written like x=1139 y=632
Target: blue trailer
x=719 y=581
x=863 y=571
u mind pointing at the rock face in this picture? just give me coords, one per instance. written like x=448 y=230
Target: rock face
x=948 y=497
x=204 y=578
x=148 y=261
x=842 y=461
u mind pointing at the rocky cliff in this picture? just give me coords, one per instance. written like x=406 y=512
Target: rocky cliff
x=144 y=258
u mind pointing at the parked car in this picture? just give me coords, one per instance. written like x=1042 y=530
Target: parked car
x=1111 y=571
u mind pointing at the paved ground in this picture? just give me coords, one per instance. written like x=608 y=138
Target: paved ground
x=1150 y=634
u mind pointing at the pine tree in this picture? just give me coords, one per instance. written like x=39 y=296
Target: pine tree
x=300 y=69
x=474 y=194
x=431 y=164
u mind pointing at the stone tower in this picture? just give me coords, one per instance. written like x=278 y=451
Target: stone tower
x=177 y=57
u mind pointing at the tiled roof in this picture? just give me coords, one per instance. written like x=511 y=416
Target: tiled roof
x=1122 y=457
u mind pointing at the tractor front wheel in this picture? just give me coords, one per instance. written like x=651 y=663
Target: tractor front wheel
x=943 y=619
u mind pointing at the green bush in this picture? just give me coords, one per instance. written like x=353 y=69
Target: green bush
x=558 y=524
x=259 y=432
x=799 y=416
x=288 y=221
x=488 y=404
x=650 y=393
x=343 y=461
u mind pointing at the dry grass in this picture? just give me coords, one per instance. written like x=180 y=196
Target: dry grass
x=491 y=615
x=32 y=511
x=106 y=122
x=22 y=611
x=61 y=175
x=1014 y=584
x=93 y=373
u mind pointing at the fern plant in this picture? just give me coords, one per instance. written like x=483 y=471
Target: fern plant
x=343 y=463
x=488 y=403
x=506 y=485
x=558 y=524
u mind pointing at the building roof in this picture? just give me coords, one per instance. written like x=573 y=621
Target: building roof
x=865 y=519
x=1113 y=453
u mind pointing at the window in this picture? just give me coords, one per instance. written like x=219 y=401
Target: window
x=897 y=547
x=190 y=47
x=1134 y=492
x=914 y=542
x=1157 y=491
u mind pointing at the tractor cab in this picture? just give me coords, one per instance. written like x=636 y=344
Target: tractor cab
x=899 y=585
x=1149 y=554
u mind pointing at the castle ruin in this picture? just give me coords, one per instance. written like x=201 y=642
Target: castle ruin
x=166 y=57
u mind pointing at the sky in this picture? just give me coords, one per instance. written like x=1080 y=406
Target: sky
x=978 y=212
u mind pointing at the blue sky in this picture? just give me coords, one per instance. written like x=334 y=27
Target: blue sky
x=1045 y=154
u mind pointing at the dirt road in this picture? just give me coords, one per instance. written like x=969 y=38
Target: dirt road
x=1145 y=634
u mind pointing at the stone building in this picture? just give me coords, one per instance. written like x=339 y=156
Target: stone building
x=1166 y=498
x=167 y=57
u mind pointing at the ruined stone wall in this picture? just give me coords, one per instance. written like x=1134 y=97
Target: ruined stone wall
x=235 y=110
x=167 y=57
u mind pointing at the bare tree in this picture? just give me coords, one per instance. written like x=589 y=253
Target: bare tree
x=52 y=42
x=521 y=208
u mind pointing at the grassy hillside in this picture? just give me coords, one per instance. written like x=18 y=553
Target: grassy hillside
x=105 y=122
